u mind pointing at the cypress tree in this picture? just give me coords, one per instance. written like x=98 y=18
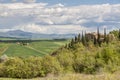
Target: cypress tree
x=98 y=37
x=119 y=34
x=95 y=40
x=76 y=39
x=79 y=39
x=105 y=35
x=83 y=39
x=86 y=38
x=72 y=42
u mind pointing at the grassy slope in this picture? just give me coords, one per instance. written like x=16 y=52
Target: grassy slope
x=17 y=50
x=47 y=46
x=33 y=49
x=3 y=47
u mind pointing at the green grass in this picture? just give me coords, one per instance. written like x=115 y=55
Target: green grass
x=18 y=50
x=40 y=48
x=47 y=46
x=3 y=47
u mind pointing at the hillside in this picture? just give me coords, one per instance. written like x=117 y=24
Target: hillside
x=18 y=34
x=36 y=48
x=100 y=54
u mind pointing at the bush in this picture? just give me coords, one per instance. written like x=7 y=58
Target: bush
x=35 y=65
x=51 y=65
x=30 y=67
x=108 y=58
x=16 y=68
x=22 y=68
x=66 y=59
x=85 y=63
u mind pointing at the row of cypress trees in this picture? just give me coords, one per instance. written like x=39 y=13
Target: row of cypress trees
x=81 y=38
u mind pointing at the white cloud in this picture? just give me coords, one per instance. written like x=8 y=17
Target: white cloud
x=30 y=28
x=39 y=17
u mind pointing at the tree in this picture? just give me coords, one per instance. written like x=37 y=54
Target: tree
x=83 y=39
x=79 y=39
x=95 y=40
x=98 y=38
x=119 y=34
x=105 y=35
x=76 y=39
x=72 y=42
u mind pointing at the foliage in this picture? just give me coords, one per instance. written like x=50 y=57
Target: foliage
x=51 y=65
x=115 y=32
x=66 y=60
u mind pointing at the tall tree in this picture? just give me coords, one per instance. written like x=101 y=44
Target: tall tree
x=95 y=41
x=76 y=39
x=119 y=34
x=83 y=39
x=105 y=35
x=79 y=38
x=98 y=37
x=72 y=42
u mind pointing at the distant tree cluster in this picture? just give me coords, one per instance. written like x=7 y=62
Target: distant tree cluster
x=96 y=38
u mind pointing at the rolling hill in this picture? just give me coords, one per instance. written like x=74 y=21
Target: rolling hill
x=39 y=48
x=29 y=35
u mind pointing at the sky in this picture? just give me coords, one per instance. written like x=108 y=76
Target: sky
x=59 y=16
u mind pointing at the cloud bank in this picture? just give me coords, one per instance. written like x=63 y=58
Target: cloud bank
x=58 y=19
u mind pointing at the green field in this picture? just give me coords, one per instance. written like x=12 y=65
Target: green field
x=38 y=48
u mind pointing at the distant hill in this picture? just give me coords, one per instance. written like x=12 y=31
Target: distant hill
x=29 y=35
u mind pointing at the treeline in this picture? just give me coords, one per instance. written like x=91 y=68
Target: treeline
x=29 y=41
x=97 y=40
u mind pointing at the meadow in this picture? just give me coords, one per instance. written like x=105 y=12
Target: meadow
x=38 y=48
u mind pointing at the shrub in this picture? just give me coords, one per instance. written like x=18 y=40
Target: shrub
x=22 y=68
x=35 y=65
x=85 y=63
x=51 y=65
x=66 y=59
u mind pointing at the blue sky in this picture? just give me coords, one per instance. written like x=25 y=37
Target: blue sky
x=70 y=2
x=59 y=16
x=80 y=2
